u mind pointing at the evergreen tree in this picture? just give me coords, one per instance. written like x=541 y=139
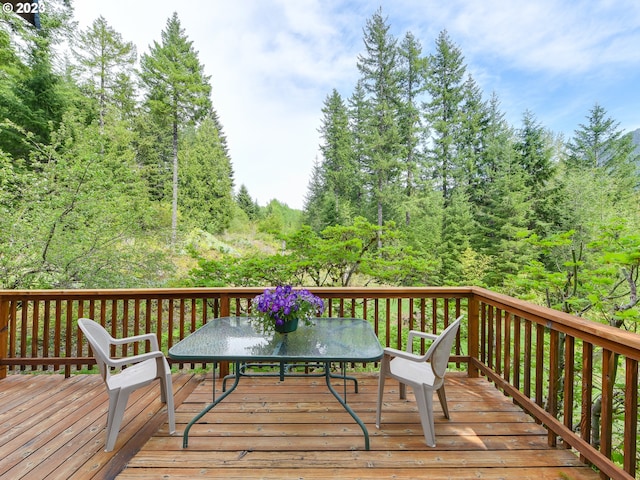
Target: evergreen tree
x=413 y=70
x=105 y=61
x=32 y=95
x=446 y=88
x=206 y=178
x=178 y=91
x=81 y=217
x=475 y=116
x=535 y=151
x=358 y=112
x=378 y=69
x=246 y=203
x=601 y=146
x=498 y=159
x=335 y=181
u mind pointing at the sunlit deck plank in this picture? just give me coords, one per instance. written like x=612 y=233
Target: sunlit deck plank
x=51 y=427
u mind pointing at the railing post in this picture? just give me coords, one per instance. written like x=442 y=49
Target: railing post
x=4 y=335
x=225 y=305
x=225 y=310
x=473 y=334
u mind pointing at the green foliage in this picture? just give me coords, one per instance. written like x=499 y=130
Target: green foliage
x=82 y=218
x=279 y=219
x=206 y=179
x=246 y=203
x=334 y=257
x=178 y=94
x=104 y=61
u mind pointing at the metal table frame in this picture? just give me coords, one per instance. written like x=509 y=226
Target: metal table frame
x=239 y=341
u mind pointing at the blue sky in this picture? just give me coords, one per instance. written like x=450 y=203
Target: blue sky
x=273 y=63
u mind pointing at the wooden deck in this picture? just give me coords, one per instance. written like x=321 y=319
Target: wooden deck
x=53 y=428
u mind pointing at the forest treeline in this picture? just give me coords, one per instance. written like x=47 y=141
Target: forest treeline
x=115 y=169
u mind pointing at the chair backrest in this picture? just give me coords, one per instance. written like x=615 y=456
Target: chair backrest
x=99 y=339
x=440 y=350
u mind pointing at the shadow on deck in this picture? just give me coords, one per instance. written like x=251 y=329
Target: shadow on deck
x=53 y=427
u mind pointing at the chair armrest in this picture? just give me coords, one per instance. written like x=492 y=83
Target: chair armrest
x=416 y=333
x=393 y=352
x=425 y=335
x=138 y=338
x=120 y=362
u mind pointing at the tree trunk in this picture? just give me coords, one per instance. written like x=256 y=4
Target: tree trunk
x=174 y=201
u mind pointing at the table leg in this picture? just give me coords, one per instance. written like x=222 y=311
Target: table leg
x=185 y=436
x=328 y=377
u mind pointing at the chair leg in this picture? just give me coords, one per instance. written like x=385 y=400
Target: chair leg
x=113 y=402
x=443 y=401
x=403 y=391
x=116 y=413
x=424 y=399
x=384 y=370
x=166 y=388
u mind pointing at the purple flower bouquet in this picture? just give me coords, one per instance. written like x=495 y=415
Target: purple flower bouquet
x=282 y=307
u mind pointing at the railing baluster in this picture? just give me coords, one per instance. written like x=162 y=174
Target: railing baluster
x=46 y=331
x=528 y=355
x=608 y=367
x=569 y=375
x=78 y=333
x=68 y=336
x=631 y=416
x=498 y=341
x=554 y=370
x=587 y=393
x=507 y=347
x=517 y=351
x=23 y=335
x=539 y=363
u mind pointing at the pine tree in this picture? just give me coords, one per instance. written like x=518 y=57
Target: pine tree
x=413 y=70
x=358 y=112
x=206 y=178
x=378 y=69
x=535 y=151
x=246 y=203
x=178 y=91
x=335 y=182
x=105 y=60
x=446 y=88
x=601 y=145
x=32 y=95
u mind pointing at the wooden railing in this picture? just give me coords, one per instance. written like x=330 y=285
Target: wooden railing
x=569 y=373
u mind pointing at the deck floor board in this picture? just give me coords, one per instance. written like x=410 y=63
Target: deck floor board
x=52 y=427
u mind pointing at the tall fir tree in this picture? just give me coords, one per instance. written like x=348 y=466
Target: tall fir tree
x=338 y=171
x=378 y=67
x=600 y=145
x=535 y=152
x=446 y=89
x=206 y=178
x=178 y=92
x=246 y=203
x=412 y=71
x=106 y=62
x=358 y=111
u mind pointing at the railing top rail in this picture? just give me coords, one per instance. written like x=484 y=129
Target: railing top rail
x=615 y=339
x=336 y=292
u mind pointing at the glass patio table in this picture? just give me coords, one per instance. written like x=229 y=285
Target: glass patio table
x=241 y=340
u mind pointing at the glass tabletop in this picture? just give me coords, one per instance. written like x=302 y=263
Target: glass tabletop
x=241 y=339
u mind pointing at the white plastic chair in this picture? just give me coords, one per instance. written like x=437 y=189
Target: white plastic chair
x=140 y=371
x=423 y=373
